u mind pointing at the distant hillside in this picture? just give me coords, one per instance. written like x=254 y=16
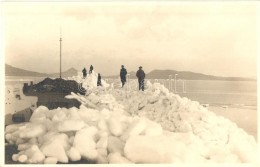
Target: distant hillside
x=155 y=74
x=69 y=73
x=13 y=71
x=186 y=75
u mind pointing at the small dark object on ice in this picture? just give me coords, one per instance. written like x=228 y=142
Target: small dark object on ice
x=9 y=151
x=99 y=80
x=57 y=85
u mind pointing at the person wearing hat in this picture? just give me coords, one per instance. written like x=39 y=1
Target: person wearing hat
x=140 y=75
x=84 y=71
x=123 y=73
x=91 y=69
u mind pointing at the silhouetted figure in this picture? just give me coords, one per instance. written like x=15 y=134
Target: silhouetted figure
x=99 y=80
x=84 y=71
x=91 y=69
x=140 y=75
x=123 y=73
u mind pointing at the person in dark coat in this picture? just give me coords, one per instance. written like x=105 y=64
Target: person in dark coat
x=91 y=69
x=99 y=80
x=140 y=75
x=84 y=71
x=123 y=73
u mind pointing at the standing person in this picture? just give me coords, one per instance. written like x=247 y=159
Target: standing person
x=84 y=71
x=91 y=69
x=123 y=73
x=140 y=75
x=99 y=80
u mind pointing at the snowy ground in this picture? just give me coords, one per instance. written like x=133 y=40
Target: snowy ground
x=124 y=126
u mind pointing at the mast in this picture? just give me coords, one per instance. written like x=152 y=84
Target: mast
x=60 y=52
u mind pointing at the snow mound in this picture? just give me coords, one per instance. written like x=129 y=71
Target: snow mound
x=154 y=126
x=90 y=82
x=162 y=149
x=178 y=114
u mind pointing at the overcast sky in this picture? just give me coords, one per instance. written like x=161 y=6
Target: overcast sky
x=211 y=38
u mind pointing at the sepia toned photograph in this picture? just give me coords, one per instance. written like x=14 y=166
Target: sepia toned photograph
x=117 y=82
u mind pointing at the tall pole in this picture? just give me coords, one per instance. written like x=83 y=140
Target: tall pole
x=60 y=52
x=175 y=77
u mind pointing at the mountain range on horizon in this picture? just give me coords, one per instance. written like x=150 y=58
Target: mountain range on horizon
x=155 y=74
x=13 y=71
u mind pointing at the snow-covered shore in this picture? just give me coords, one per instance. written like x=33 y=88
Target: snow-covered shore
x=120 y=126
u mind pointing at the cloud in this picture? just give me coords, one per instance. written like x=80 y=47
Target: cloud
x=200 y=37
x=81 y=13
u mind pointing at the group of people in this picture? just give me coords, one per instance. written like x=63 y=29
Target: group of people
x=139 y=74
x=123 y=72
x=84 y=71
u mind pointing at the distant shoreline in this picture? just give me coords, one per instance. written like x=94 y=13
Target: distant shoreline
x=107 y=77
x=154 y=74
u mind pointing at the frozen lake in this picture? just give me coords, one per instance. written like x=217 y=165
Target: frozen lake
x=238 y=93
x=213 y=92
